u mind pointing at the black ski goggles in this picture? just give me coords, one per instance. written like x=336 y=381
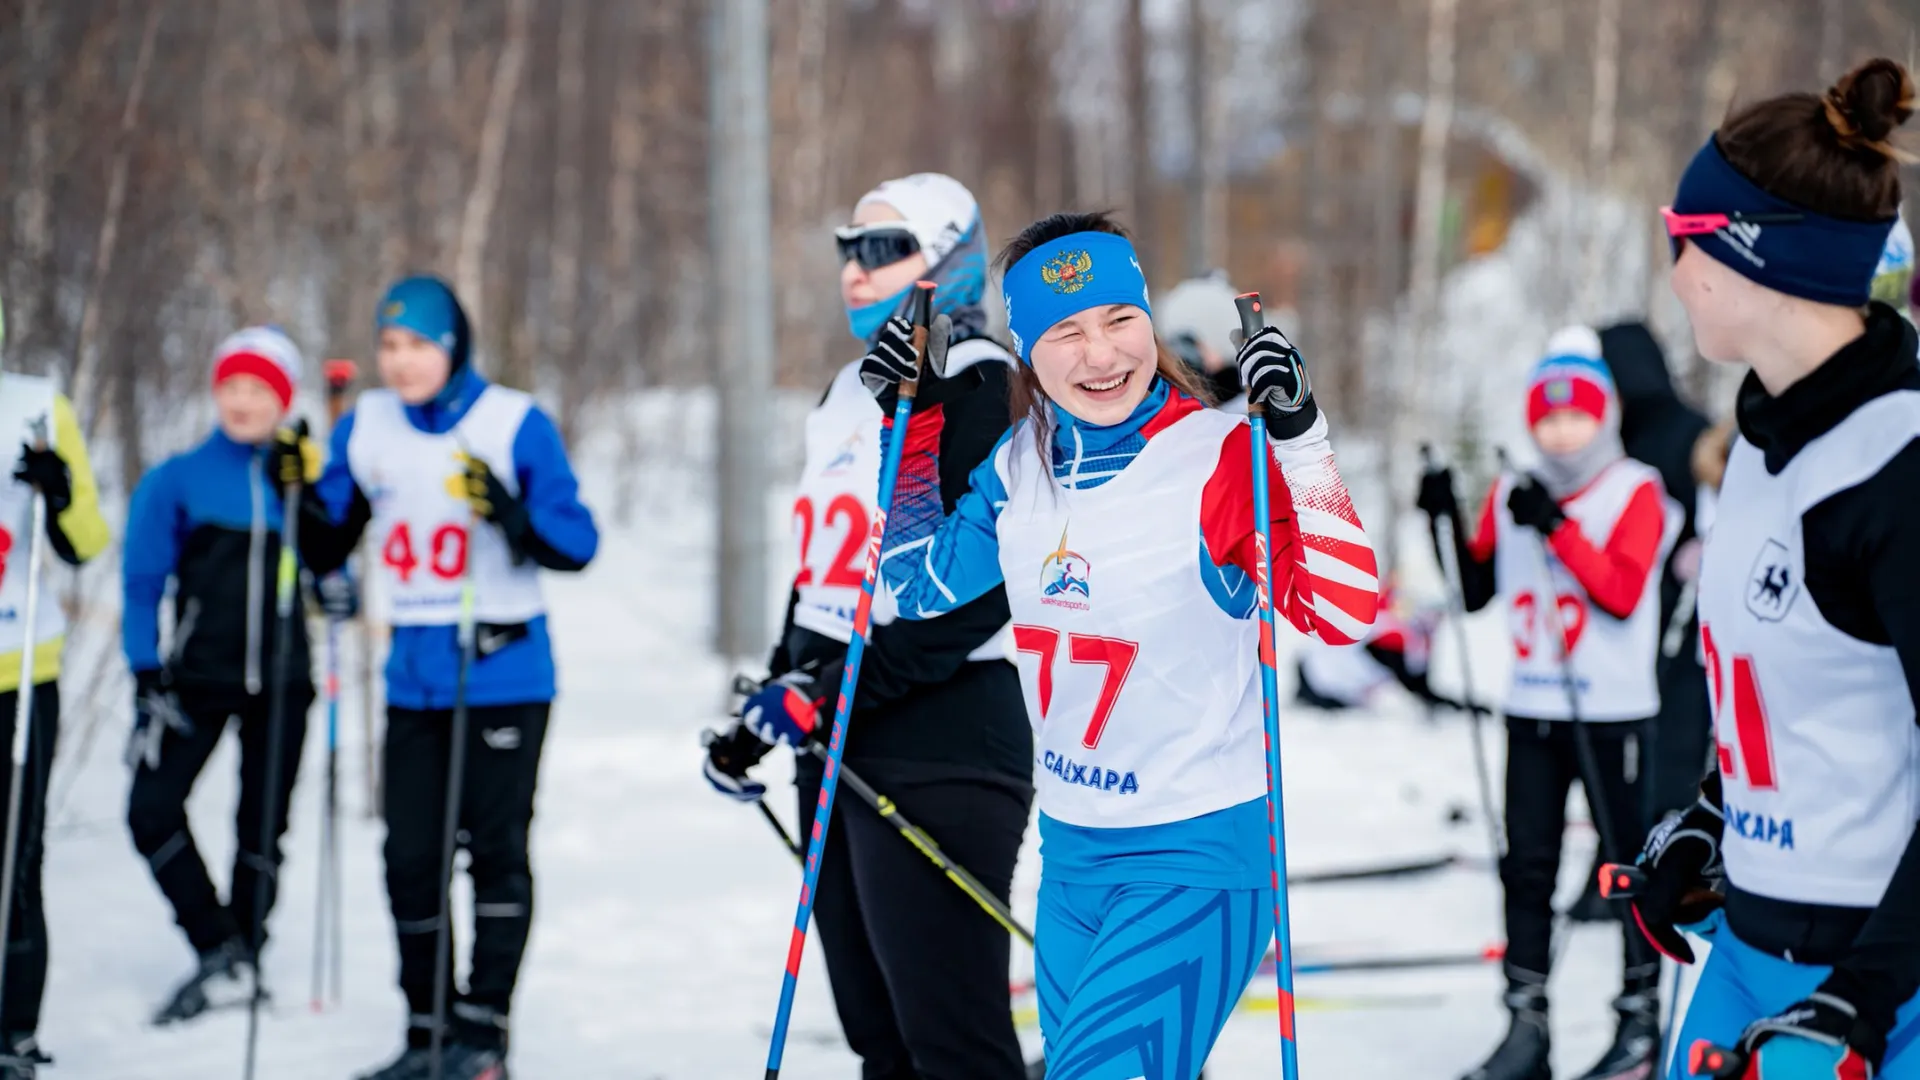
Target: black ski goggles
x=874 y=246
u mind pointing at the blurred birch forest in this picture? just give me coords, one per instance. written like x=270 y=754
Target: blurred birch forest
x=172 y=169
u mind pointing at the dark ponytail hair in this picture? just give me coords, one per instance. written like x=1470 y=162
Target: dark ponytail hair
x=1830 y=153
x=1025 y=399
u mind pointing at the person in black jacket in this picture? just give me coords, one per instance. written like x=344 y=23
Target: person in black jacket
x=919 y=973
x=1659 y=429
x=210 y=521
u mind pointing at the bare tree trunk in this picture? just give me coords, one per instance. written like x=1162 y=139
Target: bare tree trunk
x=1430 y=193
x=1606 y=98
x=86 y=358
x=476 y=221
x=1140 y=128
x=33 y=233
x=564 y=242
x=443 y=169
x=1199 y=231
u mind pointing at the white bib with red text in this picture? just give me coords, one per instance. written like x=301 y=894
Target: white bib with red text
x=1142 y=692
x=25 y=402
x=1819 y=754
x=1612 y=659
x=834 y=504
x=413 y=482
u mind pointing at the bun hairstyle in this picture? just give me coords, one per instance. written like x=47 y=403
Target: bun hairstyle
x=1025 y=399
x=1830 y=153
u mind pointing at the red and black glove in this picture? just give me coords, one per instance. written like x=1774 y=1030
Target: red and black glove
x=1681 y=869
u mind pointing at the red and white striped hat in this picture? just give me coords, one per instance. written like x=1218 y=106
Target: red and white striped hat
x=265 y=353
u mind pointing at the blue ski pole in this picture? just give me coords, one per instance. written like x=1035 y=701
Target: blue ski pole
x=1252 y=321
x=922 y=305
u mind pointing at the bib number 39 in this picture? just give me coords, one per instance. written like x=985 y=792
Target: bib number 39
x=446 y=552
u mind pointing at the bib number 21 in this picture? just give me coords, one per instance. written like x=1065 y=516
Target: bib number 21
x=1748 y=712
x=446 y=552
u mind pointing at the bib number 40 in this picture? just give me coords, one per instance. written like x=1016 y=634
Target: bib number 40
x=1112 y=653
x=446 y=552
x=1748 y=711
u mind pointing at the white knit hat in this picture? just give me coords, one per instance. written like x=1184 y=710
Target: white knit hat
x=265 y=353
x=938 y=210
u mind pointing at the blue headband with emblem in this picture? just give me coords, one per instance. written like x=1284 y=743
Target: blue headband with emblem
x=1791 y=249
x=1064 y=277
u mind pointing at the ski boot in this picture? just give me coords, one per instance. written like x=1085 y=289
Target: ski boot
x=465 y=1061
x=414 y=1063
x=224 y=979
x=22 y=1058
x=1636 y=1043
x=1523 y=1054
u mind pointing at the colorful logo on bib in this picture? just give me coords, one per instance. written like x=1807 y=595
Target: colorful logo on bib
x=1772 y=585
x=843 y=458
x=1068 y=272
x=1066 y=578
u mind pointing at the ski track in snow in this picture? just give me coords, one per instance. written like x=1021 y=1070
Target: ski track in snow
x=663 y=910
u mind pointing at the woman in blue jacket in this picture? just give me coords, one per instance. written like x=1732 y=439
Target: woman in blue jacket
x=456 y=477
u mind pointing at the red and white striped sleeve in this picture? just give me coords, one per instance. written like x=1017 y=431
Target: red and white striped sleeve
x=1326 y=578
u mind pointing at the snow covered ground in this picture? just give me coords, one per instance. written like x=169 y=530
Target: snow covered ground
x=663 y=910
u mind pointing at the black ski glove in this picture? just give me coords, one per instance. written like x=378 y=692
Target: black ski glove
x=1276 y=377
x=491 y=501
x=155 y=712
x=1436 y=496
x=1531 y=506
x=889 y=363
x=45 y=470
x=1681 y=867
x=730 y=754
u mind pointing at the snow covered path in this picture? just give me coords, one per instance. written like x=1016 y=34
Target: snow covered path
x=663 y=910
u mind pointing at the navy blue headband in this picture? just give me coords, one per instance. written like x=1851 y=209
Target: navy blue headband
x=1816 y=257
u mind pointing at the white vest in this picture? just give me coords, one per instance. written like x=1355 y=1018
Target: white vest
x=420 y=524
x=1612 y=659
x=836 y=499
x=24 y=401
x=1819 y=755
x=1142 y=692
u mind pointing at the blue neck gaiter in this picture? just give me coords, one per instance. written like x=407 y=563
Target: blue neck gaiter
x=865 y=321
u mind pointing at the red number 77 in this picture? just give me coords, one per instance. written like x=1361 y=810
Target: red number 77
x=1115 y=654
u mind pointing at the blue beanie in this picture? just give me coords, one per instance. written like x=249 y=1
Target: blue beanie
x=426 y=306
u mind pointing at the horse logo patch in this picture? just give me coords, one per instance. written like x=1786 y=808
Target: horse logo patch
x=1772 y=584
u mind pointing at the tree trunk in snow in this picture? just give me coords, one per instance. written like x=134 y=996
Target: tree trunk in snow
x=1606 y=98
x=86 y=358
x=476 y=221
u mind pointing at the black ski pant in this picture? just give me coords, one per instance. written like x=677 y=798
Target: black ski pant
x=496 y=814
x=27 y=926
x=919 y=971
x=157 y=814
x=1543 y=763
